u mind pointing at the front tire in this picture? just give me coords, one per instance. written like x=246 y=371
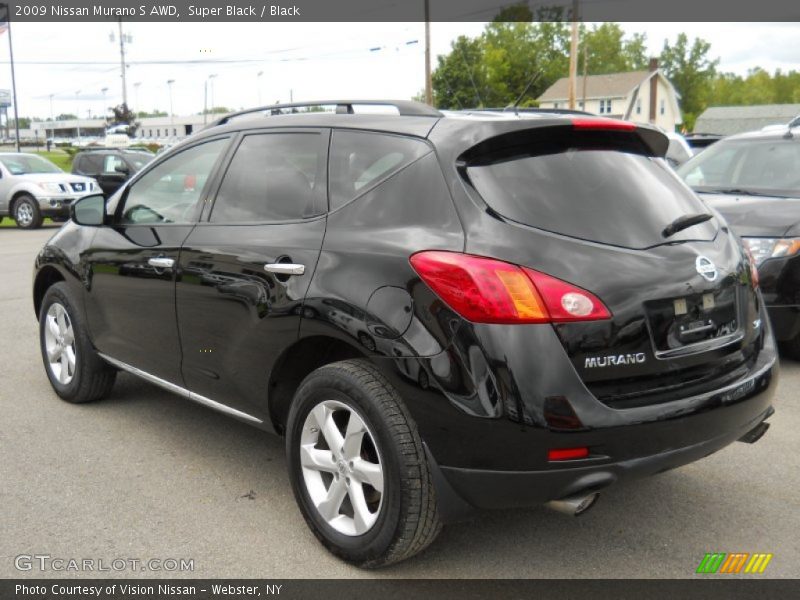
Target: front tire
x=358 y=468
x=73 y=367
x=27 y=213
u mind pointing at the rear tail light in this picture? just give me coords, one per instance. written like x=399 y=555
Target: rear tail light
x=602 y=124
x=485 y=290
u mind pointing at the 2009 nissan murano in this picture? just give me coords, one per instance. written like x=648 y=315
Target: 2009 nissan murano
x=439 y=311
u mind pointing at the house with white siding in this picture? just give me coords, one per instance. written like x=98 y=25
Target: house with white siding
x=638 y=96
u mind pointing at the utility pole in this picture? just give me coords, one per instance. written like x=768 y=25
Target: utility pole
x=122 y=64
x=13 y=77
x=573 y=57
x=428 y=83
x=258 y=86
x=585 y=69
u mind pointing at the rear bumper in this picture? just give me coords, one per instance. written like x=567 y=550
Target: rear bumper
x=487 y=430
x=506 y=489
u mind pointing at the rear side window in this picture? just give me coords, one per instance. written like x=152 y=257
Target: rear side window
x=595 y=190
x=362 y=160
x=273 y=177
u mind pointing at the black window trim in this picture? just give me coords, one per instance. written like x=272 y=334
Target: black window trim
x=322 y=200
x=117 y=218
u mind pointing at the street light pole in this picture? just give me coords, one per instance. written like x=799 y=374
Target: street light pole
x=78 y=114
x=205 y=98
x=258 y=86
x=104 y=90
x=52 y=121
x=136 y=94
x=171 y=114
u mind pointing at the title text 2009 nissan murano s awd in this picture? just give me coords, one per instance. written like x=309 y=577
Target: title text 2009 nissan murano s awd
x=440 y=312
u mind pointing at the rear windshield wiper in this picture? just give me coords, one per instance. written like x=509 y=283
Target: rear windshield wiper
x=684 y=222
x=732 y=191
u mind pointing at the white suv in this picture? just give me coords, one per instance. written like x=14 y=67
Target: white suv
x=31 y=188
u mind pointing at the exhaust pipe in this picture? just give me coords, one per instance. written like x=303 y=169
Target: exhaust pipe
x=755 y=434
x=574 y=505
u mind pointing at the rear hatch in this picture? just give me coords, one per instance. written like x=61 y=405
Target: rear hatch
x=588 y=202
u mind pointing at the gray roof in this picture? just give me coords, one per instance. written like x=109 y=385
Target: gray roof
x=728 y=120
x=612 y=85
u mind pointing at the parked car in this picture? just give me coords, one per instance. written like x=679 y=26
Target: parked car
x=576 y=315
x=753 y=180
x=678 y=151
x=110 y=167
x=700 y=141
x=32 y=188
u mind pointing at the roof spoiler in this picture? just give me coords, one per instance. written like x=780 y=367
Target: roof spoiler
x=406 y=108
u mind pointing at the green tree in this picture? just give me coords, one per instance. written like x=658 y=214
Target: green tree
x=691 y=71
x=607 y=50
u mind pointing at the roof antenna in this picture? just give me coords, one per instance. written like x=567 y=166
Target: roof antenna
x=515 y=106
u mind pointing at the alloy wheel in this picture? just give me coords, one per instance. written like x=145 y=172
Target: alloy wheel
x=24 y=214
x=342 y=468
x=59 y=341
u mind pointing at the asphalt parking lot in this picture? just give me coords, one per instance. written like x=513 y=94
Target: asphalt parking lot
x=145 y=474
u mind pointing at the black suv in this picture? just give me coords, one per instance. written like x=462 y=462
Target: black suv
x=440 y=312
x=110 y=167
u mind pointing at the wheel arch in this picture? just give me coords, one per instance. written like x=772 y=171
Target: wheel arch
x=47 y=276
x=17 y=194
x=295 y=363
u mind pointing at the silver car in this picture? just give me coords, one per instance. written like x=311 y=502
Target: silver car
x=32 y=188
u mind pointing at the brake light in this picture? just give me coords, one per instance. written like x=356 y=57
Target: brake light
x=567 y=453
x=486 y=290
x=602 y=124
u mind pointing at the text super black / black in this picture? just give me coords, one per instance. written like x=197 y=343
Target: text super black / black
x=440 y=312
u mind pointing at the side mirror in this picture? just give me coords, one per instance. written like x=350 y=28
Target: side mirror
x=89 y=211
x=122 y=169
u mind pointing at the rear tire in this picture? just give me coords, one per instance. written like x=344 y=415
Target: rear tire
x=73 y=367
x=27 y=213
x=371 y=500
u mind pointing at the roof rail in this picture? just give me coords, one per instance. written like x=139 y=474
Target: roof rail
x=406 y=108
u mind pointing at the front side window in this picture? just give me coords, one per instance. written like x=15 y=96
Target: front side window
x=111 y=163
x=273 y=177
x=169 y=192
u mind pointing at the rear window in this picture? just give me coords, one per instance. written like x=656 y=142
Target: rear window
x=360 y=161
x=590 y=191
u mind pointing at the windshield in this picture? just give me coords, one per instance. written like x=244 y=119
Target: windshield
x=19 y=164
x=766 y=167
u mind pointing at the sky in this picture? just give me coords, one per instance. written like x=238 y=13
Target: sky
x=304 y=61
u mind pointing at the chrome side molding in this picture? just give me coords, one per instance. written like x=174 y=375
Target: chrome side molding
x=181 y=391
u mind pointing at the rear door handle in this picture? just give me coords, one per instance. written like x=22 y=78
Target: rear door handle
x=161 y=262
x=285 y=268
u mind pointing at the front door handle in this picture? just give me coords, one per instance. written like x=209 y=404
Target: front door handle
x=285 y=268
x=160 y=262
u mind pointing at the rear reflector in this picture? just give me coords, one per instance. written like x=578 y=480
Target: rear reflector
x=486 y=290
x=567 y=453
x=602 y=124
